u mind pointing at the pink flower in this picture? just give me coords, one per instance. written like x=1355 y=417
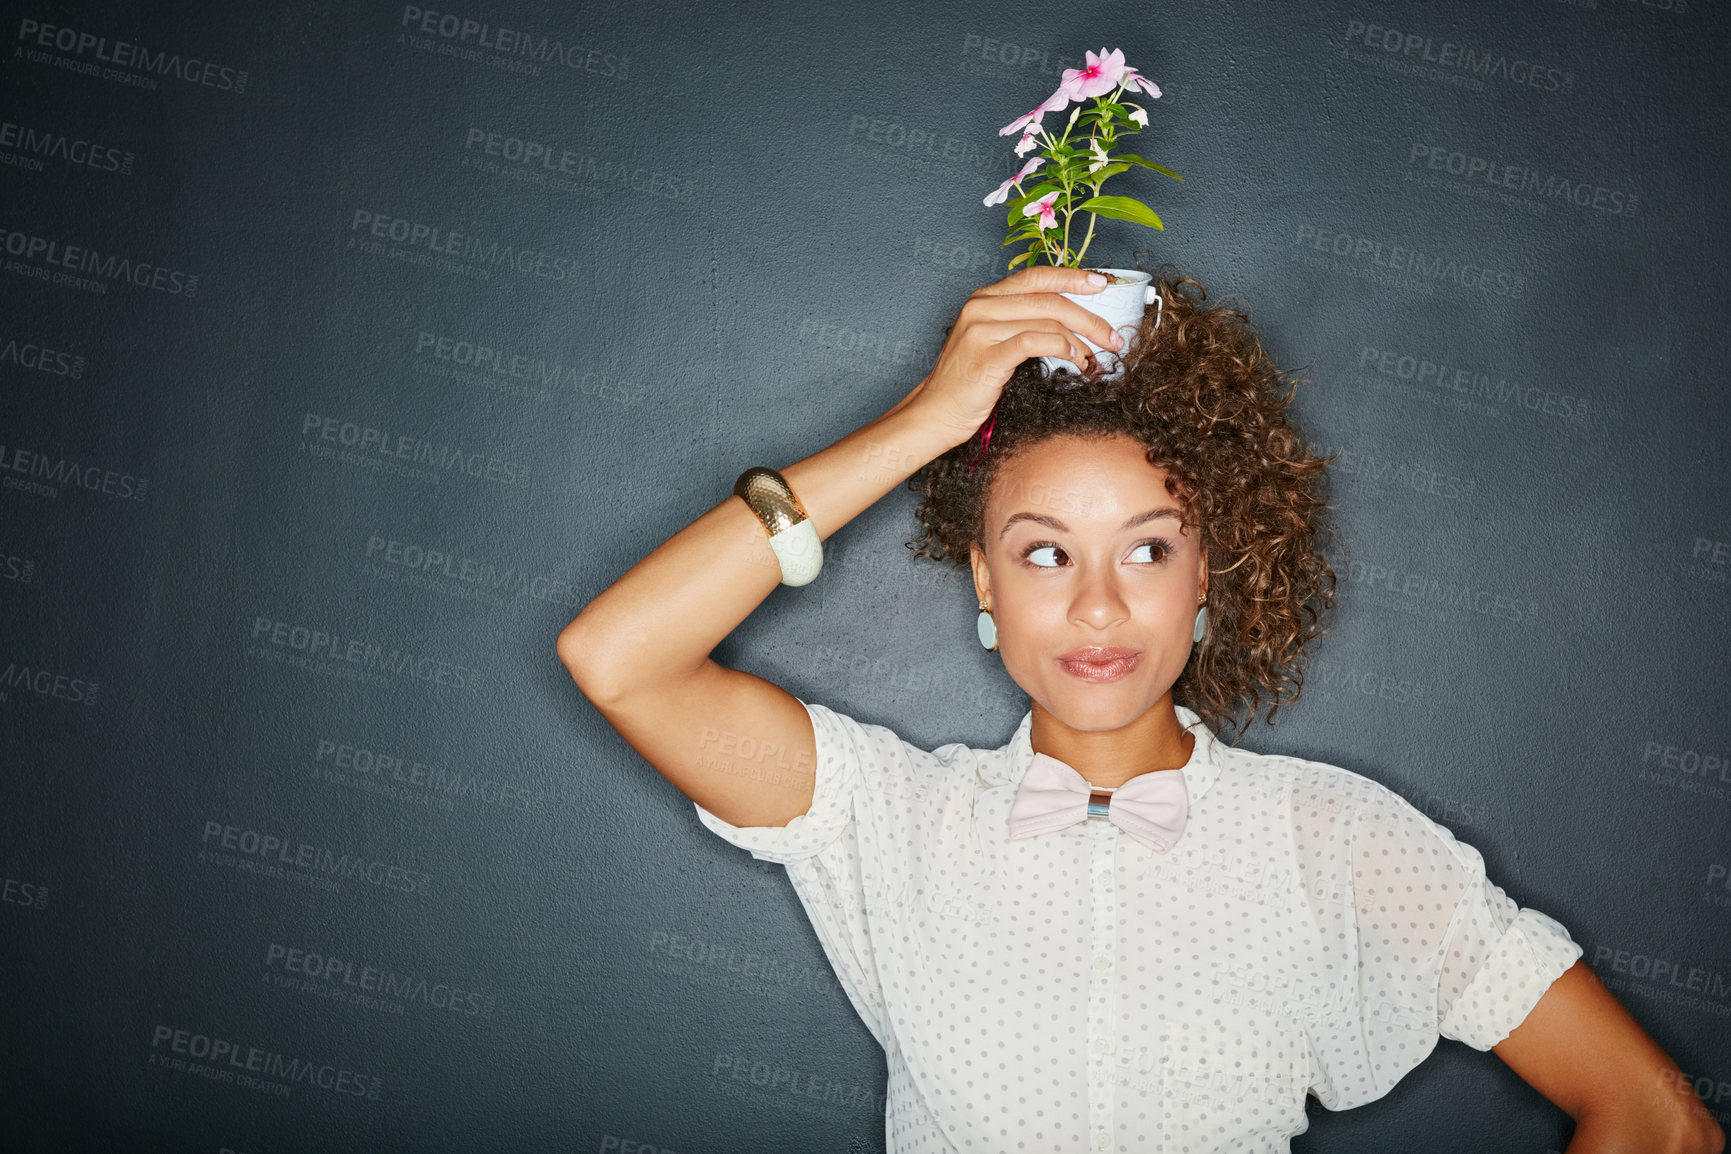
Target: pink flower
x=1042 y=208
x=1134 y=78
x=1030 y=121
x=1002 y=193
x=1100 y=77
x=1027 y=143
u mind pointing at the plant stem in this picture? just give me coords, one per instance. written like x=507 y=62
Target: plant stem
x=1068 y=213
x=1089 y=239
x=1102 y=129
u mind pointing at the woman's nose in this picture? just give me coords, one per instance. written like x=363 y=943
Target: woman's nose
x=1098 y=601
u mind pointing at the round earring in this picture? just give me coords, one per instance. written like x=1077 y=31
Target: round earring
x=1201 y=626
x=987 y=627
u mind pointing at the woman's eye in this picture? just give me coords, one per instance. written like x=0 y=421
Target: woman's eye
x=1158 y=551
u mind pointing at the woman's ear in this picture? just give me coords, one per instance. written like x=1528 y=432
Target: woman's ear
x=982 y=574
x=1202 y=570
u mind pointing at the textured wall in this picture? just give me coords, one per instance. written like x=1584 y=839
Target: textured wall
x=293 y=781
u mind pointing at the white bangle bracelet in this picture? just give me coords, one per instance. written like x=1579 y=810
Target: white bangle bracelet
x=792 y=536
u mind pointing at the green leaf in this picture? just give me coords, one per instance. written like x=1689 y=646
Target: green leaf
x=1132 y=158
x=1122 y=208
x=1107 y=112
x=1112 y=169
x=1021 y=258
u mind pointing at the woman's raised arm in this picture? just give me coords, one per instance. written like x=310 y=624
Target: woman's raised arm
x=740 y=746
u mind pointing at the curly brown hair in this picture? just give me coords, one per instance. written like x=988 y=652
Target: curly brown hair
x=1210 y=406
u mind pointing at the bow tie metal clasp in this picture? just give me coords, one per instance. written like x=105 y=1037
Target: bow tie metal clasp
x=1150 y=807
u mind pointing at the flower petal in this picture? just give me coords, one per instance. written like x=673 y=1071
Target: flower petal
x=1041 y=207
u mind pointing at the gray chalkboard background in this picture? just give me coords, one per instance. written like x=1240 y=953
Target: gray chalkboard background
x=347 y=350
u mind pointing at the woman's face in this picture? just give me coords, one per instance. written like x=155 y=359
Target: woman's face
x=1091 y=578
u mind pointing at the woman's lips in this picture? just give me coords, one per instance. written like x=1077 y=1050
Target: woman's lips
x=1099 y=663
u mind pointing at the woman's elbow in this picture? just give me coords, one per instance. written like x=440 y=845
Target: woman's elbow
x=1709 y=1137
x=1690 y=1130
x=577 y=654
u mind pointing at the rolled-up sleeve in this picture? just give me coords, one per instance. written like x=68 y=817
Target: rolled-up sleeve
x=1501 y=959
x=1441 y=951
x=838 y=777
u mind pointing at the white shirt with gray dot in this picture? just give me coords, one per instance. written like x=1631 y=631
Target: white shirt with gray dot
x=1312 y=932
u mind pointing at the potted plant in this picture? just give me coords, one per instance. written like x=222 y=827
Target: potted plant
x=1045 y=214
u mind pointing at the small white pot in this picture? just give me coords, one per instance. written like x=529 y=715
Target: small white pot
x=1122 y=306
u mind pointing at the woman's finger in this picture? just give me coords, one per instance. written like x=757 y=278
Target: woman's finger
x=1040 y=343
x=1045 y=278
x=998 y=332
x=1028 y=306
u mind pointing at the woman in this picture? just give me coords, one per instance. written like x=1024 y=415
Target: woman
x=1115 y=932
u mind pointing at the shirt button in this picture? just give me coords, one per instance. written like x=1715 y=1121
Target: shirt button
x=1102 y=1045
x=1102 y=962
x=1102 y=1139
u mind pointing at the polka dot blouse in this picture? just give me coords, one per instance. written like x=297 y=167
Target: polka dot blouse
x=1311 y=932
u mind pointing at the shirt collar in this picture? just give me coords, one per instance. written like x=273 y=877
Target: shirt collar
x=1200 y=772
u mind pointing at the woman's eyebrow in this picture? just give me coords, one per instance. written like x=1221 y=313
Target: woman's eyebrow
x=1054 y=523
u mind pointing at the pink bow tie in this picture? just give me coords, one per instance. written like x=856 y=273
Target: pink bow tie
x=1150 y=807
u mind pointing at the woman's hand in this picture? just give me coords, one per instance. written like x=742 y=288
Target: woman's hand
x=999 y=327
